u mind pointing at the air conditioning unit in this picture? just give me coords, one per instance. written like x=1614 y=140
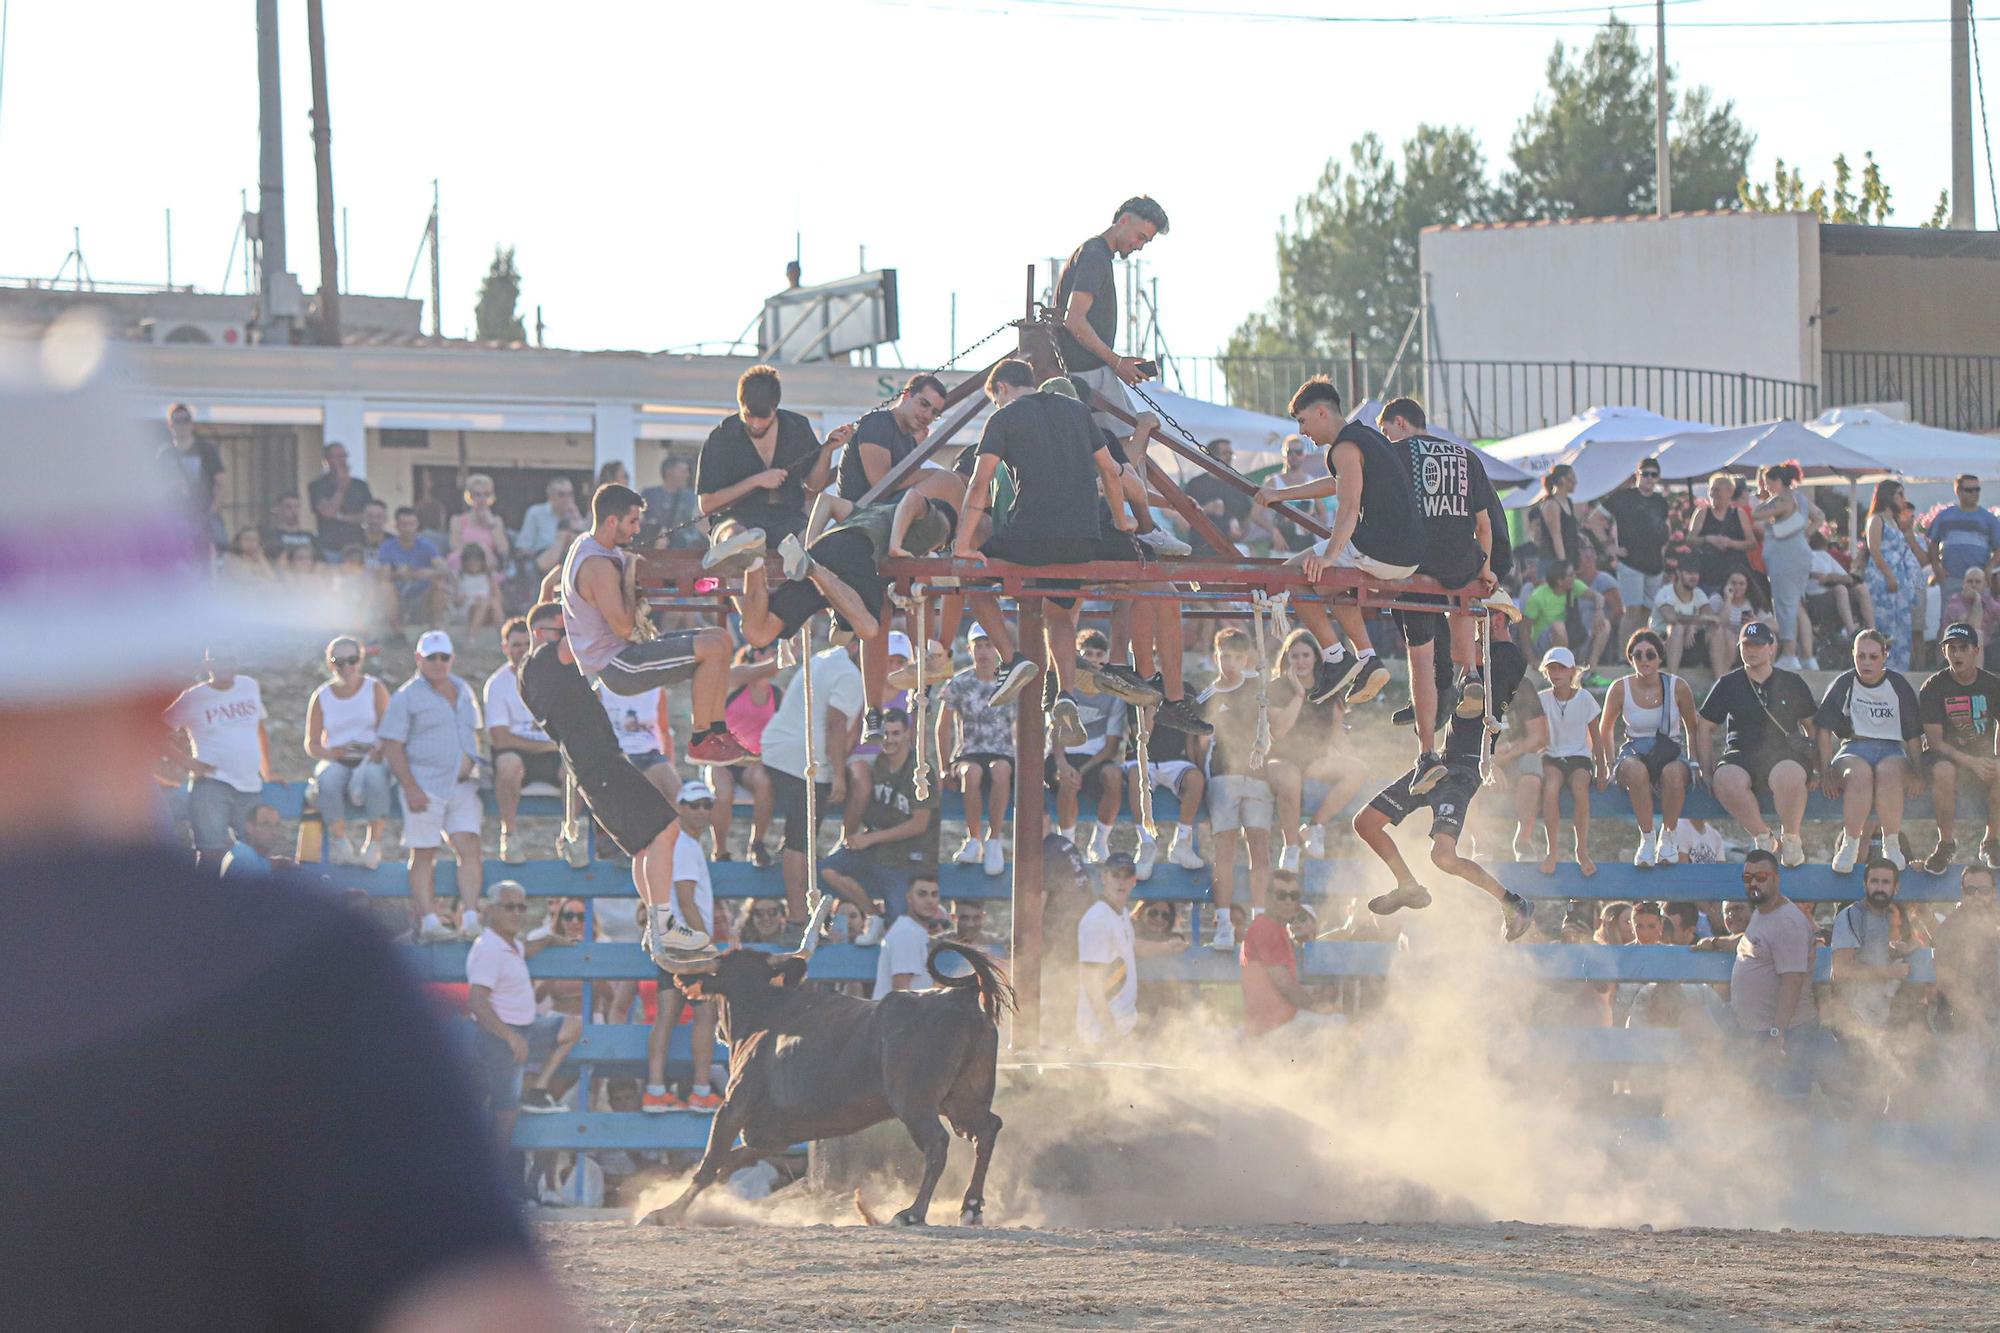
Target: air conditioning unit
x=208 y=332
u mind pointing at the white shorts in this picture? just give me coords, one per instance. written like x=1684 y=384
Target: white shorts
x=1167 y=774
x=1637 y=588
x=1349 y=558
x=458 y=811
x=1237 y=800
x=1112 y=389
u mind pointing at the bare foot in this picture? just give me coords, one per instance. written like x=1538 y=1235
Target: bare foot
x=1549 y=864
x=1585 y=864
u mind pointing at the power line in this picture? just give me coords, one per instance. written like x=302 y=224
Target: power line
x=1496 y=19
x=1985 y=125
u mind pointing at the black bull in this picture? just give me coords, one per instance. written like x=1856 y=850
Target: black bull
x=809 y=1064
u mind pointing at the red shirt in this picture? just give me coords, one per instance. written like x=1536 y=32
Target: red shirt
x=1266 y=943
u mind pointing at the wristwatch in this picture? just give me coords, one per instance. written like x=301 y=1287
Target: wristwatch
x=1774 y=1032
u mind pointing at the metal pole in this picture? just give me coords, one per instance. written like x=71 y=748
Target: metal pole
x=1964 y=191
x=1029 y=901
x=1424 y=337
x=954 y=327
x=437 y=285
x=1663 y=186
x=271 y=161
x=322 y=132
x=1028 y=306
x=170 y=249
x=347 y=283
x=1353 y=369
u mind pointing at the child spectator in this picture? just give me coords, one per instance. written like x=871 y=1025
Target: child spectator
x=1239 y=800
x=1567 y=762
x=478 y=591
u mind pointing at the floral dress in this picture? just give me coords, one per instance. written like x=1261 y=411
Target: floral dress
x=1894 y=611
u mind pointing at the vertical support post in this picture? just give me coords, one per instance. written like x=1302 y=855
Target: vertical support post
x=1029 y=818
x=322 y=134
x=437 y=281
x=1964 y=185
x=1354 y=370
x=1663 y=185
x=1028 y=305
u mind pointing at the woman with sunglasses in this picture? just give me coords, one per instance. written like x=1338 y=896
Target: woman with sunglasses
x=1895 y=572
x=752 y=703
x=564 y=995
x=1552 y=518
x=1312 y=774
x=479 y=525
x=1657 y=710
x=342 y=719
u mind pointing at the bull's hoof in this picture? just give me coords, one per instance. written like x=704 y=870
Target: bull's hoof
x=907 y=1218
x=972 y=1215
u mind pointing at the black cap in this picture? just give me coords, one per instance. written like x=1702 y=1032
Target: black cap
x=1120 y=861
x=1959 y=632
x=1759 y=631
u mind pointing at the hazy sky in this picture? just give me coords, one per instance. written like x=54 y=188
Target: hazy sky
x=651 y=162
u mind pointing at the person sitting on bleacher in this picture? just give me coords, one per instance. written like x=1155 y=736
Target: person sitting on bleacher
x=261 y=847
x=755 y=469
x=1272 y=996
x=1168 y=769
x=1239 y=799
x=1569 y=762
x=1872 y=942
x=979 y=736
x=1959 y=707
x=1312 y=769
x=1766 y=753
x=1090 y=771
x=1657 y=711
x=1871 y=713
x=502 y=1000
x=891 y=836
x=902 y=963
x=340 y=734
x=522 y=751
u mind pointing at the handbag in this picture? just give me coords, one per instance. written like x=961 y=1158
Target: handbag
x=1665 y=749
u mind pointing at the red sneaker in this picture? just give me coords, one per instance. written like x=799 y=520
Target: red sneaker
x=718 y=747
x=659 y=1102
x=703 y=1101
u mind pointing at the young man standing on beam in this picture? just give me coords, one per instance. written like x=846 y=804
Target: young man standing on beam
x=1377 y=529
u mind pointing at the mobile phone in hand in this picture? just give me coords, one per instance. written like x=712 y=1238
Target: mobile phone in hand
x=1150 y=369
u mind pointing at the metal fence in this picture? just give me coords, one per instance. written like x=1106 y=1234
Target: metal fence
x=1940 y=389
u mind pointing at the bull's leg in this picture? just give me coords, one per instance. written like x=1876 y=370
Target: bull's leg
x=717 y=1160
x=930 y=1136
x=982 y=1132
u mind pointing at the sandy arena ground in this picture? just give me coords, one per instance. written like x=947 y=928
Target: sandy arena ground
x=1505 y=1275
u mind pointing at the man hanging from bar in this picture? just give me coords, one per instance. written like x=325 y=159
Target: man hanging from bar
x=755 y=470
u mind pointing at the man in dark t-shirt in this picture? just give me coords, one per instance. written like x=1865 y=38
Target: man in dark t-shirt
x=1228 y=507
x=754 y=471
x=889 y=836
x=1762 y=713
x=1086 y=302
x=1960 y=710
x=888 y=435
x=338 y=498
x=1640 y=512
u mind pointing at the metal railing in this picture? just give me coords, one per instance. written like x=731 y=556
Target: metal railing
x=1940 y=389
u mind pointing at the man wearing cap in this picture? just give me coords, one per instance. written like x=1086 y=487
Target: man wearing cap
x=430 y=740
x=1959 y=707
x=1767 y=754
x=1107 y=980
x=694 y=908
x=248 y=1069
x=223 y=716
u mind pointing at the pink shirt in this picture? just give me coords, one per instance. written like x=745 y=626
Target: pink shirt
x=747 y=718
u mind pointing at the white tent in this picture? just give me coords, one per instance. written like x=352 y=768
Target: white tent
x=1919 y=453
x=1604 y=445
x=1498 y=470
x=1746 y=448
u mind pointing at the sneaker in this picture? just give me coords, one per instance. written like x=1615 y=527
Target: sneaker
x=1649 y=850
x=792 y=558
x=971 y=853
x=717 y=747
x=1989 y=853
x=871 y=727
x=1471 y=695
x=1014 y=678
x=371 y=857
x=1501 y=601
x=338 y=853
x=1410 y=895
x=1791 y=851
x=511 y=851
x=434 y=931
x=1763 y=842
x=1845 y=852
x=1099 y=850
x=1369 y=683
x=1288 y=857
x=1224 y=936
x=1066 y=726
x=537 y=1101
x=576 y=851
x=704 y=1101
x=788 y=653
x=872 y=930
x=1430 y=771
x=1518 y=916
x=1939 y=860
x=469 y=928
x=1331 y=677
x=1121 y=682
x=1163 y=542
x=1892 y=852
x=760 y=856
x=996 y=856
x=1667 y=853
x=1148 y=857
x=659 y=1103
x=1179 y=715
x=1316 y=842
x=666 y=937
x=1185 y=854
x=737 y=551
x=1406 y=716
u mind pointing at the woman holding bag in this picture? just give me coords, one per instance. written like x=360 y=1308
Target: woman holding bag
x=1655 y=708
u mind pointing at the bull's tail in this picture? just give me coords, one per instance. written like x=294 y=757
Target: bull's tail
x=987 y=976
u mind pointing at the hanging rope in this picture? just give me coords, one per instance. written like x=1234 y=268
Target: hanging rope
x=1281 y=623
x=1260 y=748
x=922 y=712
x=1142 y=726
x=813 y=903
x=1491 y=727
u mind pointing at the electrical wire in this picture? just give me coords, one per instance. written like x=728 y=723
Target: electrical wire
x=1496 y=19
x=1985 y=125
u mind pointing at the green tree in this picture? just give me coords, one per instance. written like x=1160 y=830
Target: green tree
x=495 y=319
x=1349 y=261
x=1872 y=205
x=1587 y=147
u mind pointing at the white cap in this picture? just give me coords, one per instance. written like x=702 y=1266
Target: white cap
x=100 y=551
x=433 y=641
x=1558 y=656
x=694 y=789
x=899 y=645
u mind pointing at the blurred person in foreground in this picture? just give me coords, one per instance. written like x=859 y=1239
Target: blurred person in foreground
x=330 y=1174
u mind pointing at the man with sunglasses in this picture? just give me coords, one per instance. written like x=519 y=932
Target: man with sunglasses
x=430 y=740
x=1298 y=470
x=1639 y=540
x=1764 y=713
x=1963 y=537
x=1272 y=996
x=693 y=907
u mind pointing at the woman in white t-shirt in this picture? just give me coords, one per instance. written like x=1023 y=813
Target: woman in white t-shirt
x=349 y=775
x=1569 y=759
x=1656 y=708
x=1871 y=713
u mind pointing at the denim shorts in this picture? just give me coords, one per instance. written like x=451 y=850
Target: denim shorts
x=218 y=813
x=890 y=883
x=499 y=1076
x=1869 y=751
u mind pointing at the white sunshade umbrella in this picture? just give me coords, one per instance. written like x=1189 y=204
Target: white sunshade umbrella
x=1581 y=442
x=1747 y=448
x=1908 y=449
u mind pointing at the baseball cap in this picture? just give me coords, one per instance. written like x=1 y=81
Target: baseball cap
x=1959 y=632
x=433 y=641
x=1120 y=861
x=978 y=632
x=1558 y=656
x=1759 y=632
x=694 y=789
x=899 y=644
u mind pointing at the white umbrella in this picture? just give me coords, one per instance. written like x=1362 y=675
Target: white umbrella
x=1747 y=448
x=1917 y=452
x=1582 y=443
x=1498 y=470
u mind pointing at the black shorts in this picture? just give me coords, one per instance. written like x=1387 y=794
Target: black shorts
x=1093 y=777
x=1759 y=763
x=1448 y=800
x=540 y=766
x=847 y=553
x=789 y=795
x=1111 y=544
x=1567 y=764
x=657 y=662
x=631 y=809
x=1421 y=627
x=984 y=763
x=1017 y=549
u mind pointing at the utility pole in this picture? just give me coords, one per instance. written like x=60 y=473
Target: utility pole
x=437 y=284
x=322 y=133
x=1964 y=191
x=270 y=175
x=170 y=249
x=1663 y=185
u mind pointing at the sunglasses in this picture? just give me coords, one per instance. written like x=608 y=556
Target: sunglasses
x=1645 y=655
x=1286 y=897
x=569 y=916
x=345 y=661
x=437 y=657
x=511 y=907
x=697 y=805
x=1654 y=475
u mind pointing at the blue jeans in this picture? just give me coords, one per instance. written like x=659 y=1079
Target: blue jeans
x=499 y=1077
x=890 y=883
x=1793 y=1074
x=218 y=813
x=340 y=792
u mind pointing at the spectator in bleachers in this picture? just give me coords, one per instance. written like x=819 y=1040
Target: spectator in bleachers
x=694 y=908
x=1568 y=762
x=479 y=525
x=1301 y=466
x=837 y=702
x=1239 y=799
x=1959 y=707
x=1107 y=983
x=415 y=572
x=1681 y=923
x=1169 y=770
x=510 y=1034
x=522 y=751
x=1608 y=609
x=753 y=700
x=1720 y=530
x=298 y=570
x=563 y=995
x=261 y=846
x=1312 y=770
x=338 y=498
x=979 y=736
x=349 y=775
x=1272 y=996
x=283 y=531
x=230 y=753
x=762 y=921
x=1734 y=607
x=1782 y=515
x=1552 y=609
x=476 y=591
x=1872 y=941
x=968 y=921
x=1657 y=711
x=1871 y=713
x=1766 y=752
x=374 y=528
x=1090 y=771
x=1614 y=924
x=1966 y=952
x=671 y=504
x=1963 y=537
x=1683 y=615
x=906 y=945
x=542 y=522
x=1895 y=570
x=246 y=562
x=1835 y=592
x=645 y=734
x=195 y=463
x=1649 y=923
x=1770 y=986
x=1975 y=604
x=1639 y=532
x=430 y=738
x=891 y=836
x=1517 y=762
x=1552 y=525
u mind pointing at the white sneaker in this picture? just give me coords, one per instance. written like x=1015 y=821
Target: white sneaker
x=1668 y=853
x=1892 y=852
x=371 y=857
x=1845 y=853
x=1763 y=842
x=576 y=851
x=996 y=856
x=792 y=559
x=1148 y=857
x=664 y=934
x=1649 y=848
x=1288 y=857
x=872 y=931
x=971 y=853
x=468 y=926
x=1099 y=850
x=434 y=931
x=1164 y=542
x=339 y=853
x=1225 y=932
x=1316 y=843
x=1184 y=854
x=1791 y=851
x=511 y=851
